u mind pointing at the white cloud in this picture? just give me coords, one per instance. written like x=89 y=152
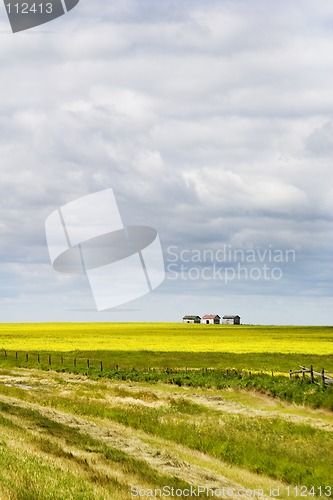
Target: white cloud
x=211 y=121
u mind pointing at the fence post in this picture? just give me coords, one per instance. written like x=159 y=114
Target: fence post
x=50 y=359
x=16 y=355
x=27 y=357
x=311 y=374
x=38 y=358
x=101 y=364
x=290 y=373
x=75 y=362
x=323 y=377
x=88 y=363
x=5 y=353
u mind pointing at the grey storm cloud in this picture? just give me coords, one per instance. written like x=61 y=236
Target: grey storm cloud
x=210 y=120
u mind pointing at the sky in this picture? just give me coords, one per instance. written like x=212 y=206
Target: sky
x=212 y=123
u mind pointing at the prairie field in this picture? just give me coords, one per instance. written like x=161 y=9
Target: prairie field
x=120 y=411
x=166 y=337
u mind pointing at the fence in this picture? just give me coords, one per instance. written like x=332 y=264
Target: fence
x=54 y=360
x=67 y=362
x=77 y=363
x=64 y=362
x=324 y=378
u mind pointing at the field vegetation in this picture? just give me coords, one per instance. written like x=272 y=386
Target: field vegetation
x=166 y=337
x=97 y=438
x=89 y=410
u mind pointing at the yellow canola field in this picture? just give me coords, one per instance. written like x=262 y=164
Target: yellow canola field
x=166 y=337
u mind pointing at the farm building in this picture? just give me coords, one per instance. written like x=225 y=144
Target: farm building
x=211 y=319
x=231 y=320
x=191 y=319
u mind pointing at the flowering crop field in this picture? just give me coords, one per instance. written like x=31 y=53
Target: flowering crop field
x=87 y=410
x=166 y=337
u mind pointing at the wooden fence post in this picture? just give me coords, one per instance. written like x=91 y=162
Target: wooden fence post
x=16 y=355
x=61 y=360
x=290 y=373
x=5 y=353
x=323 y=377
x=311 y=374
x=88 y=363
x=50 y=359
x=75 y=362
x=27 y=357
x=101 y=365
x=38 y=358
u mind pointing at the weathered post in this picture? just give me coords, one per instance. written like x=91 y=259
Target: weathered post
x=88 y=363
x=311 y=374
x=101 y=365
x=27 y=357
x=50 y=359
x=323 y=377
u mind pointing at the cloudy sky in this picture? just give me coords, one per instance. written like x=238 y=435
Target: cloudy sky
x=212 y=122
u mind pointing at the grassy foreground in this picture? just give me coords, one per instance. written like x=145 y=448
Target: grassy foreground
x=66 y=436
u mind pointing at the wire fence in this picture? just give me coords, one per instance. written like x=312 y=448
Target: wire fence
x=66 y=362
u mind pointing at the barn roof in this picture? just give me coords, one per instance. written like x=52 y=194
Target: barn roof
x=230 y=317
x=191 y=317
x=210 y=316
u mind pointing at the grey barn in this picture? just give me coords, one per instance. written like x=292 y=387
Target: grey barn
x=191 y=319
x=231 y=320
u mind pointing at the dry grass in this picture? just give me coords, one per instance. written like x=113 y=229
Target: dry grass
x=67 y=432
